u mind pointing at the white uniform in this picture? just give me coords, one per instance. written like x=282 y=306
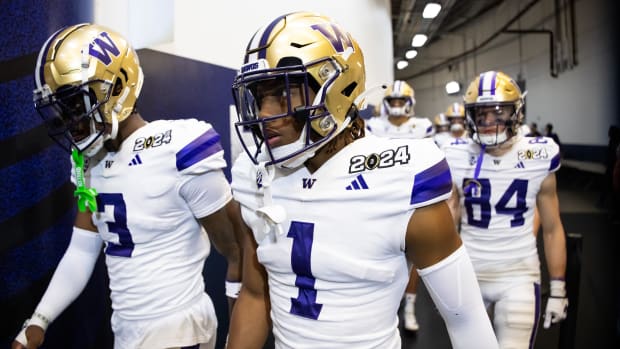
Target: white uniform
x=335 y=264
x=497 y=213
x=155 y=247
x=415 y=127
x=441 y=138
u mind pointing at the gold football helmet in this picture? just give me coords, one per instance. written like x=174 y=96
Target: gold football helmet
x=455 y=110
x=456 y=116
x=399 y=99
x=87 y=80
x=493 y=94
x=441 y=123
x=308 y=50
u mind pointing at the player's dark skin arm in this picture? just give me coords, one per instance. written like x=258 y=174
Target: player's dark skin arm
x=431 y=235
x=220 y=230
x=250 y=322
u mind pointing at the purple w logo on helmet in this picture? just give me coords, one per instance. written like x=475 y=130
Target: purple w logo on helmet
x=100 y=49
x=339 y=41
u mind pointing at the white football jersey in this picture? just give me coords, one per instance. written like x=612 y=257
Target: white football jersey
x=415 y=127
x=498 y=203
x=155 y=248
x=336 y=264
x=441 y=138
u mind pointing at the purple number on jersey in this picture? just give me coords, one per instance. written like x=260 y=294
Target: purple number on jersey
x=119 y=226
x=518 y=186
x=478 y=192
x=305 y=304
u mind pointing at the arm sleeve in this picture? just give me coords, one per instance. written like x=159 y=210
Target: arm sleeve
x=454 y=289
x=71 y=275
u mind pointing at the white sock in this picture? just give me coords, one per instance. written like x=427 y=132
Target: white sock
x=410 y=298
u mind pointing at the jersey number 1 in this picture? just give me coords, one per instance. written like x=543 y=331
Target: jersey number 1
x=305 y=304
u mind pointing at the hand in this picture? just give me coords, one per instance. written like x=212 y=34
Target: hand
x=556 y=310
x=30 y=337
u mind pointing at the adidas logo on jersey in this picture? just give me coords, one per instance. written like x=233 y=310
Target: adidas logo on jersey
x=136 y=160
x=357 y=184
x=520 y=165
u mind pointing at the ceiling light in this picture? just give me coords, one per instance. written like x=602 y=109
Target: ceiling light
x=418 y=40
x=453 y=87
x=411 y=54
x=402 y=64
x=431 y=10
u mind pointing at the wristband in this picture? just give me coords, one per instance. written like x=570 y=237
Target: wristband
x=233 y=288
x=40 y=320
x=21 y=336
x=558 y=288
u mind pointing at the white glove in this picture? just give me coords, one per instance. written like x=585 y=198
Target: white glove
x=557 y=304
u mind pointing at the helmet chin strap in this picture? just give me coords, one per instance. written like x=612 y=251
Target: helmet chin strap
x=114 y=130
x=492 y=140
x=272 y=215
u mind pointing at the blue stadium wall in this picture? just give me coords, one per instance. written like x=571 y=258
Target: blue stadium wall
x=36 y=204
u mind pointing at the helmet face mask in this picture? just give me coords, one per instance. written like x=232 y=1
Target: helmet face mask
x=292 y=59
x=283 y=86
x=74 y=114
x=87 y=78
x=493 y=108
x=399 y=100
x=493 y=123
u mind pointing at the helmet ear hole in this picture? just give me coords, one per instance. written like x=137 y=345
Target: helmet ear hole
x=349 y=89
x=118 y=87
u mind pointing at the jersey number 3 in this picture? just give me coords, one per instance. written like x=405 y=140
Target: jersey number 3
x=478 y=194
x=305 y=304
x=125 y=245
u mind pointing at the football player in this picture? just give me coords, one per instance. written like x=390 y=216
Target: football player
x=334 y=215
x=397 y=115
x=441 y=127
x=398 y=121
x=499 y=181
x=145 y=192
x=456 y=116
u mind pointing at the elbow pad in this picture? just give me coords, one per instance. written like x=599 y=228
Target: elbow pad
x=454 y=289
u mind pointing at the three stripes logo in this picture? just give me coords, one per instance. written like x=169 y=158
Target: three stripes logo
x=136 y=160
x=358 y=184
x=520 y=165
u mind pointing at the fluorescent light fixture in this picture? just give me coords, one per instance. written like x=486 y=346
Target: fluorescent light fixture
x=419 y=40
x=411 y=54
x=402 y=64
x=431 y=10
x=453 y=87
